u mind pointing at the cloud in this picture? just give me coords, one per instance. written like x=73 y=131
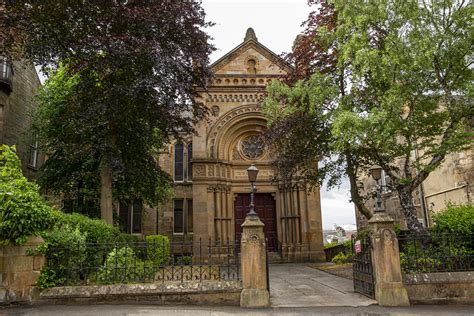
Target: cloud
x=336 y=207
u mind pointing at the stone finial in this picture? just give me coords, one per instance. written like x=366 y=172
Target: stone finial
x=250 y=34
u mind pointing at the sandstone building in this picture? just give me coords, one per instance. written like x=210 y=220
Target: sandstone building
x=19 y=84
x=451 y=182
x=211 y=185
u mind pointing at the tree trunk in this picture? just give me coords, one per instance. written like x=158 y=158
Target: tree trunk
x=354 y=189
x=106 y=177
x=409 y=210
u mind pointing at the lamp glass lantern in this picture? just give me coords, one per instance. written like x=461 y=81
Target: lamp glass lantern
x=252 y=172
x=376 y=172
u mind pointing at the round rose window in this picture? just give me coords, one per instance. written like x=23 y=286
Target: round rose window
x=252 y=147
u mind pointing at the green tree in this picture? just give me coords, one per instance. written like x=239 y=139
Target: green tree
x=403 y=98
x=127 y=85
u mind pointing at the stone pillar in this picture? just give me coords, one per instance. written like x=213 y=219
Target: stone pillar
x=315 y=234
x=253 y=263
x=389 y=289
x=19 y=271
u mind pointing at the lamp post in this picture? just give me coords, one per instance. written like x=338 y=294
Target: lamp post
x=252 y=172
x=376 y=172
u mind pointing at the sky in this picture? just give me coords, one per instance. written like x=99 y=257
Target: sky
x=276 y=24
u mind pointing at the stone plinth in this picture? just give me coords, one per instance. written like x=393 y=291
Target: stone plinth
x=253 y=262
x=19 y=271
x=389 y=289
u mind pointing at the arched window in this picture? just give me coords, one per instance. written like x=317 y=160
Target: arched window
x=190 y=157
x=178 y=162
x=183 y=155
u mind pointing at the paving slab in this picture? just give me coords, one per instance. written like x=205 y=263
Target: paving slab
x=298 y=285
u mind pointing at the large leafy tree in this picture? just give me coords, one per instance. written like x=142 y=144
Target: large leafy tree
x=404 y=95
x=126 y=85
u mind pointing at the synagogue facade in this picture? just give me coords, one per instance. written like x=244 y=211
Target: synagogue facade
x=211 y=186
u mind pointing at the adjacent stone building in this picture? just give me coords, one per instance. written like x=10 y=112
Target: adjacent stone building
x=211 y=185
x=19 y=84
x=451 y=182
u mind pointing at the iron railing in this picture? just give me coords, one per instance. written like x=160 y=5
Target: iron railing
x=436 y=253
x=142 y=262
x=362 y=267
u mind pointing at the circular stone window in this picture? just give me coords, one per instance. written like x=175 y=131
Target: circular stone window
x=252 y=147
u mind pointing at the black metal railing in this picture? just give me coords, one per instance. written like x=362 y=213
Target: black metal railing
x=436 y=253
x=144 y=262
x=362 y=267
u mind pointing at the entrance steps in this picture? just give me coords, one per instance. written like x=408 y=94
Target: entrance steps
x=274 y=257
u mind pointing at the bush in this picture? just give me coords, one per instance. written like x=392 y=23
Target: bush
x=341 y=258
x=23 y=212
x=96 y=230
x=331 y=245
x=122 y=266
x=456 y=218
x=64 y=249
x=158 y=249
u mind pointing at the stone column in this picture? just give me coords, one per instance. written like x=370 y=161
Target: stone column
x=389 y=289
x=253 y=262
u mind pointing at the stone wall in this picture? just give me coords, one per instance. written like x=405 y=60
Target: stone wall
x=440 y=288
x=19 y=271
x=189 y=292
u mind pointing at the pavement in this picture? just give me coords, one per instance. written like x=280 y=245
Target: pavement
x=146 y=310
x=298 y=285
x=295 y=289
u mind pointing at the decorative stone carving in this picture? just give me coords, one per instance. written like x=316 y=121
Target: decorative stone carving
x=210 y=171
x=214 y=97
x=222 y=121
x=215 y=110
x=236 y=155
x=253 y=147
x=199 y=170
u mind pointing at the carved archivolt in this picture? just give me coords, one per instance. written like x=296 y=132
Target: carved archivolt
x=226 y=129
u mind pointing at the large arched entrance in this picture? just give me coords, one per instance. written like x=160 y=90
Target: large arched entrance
x=265 y=206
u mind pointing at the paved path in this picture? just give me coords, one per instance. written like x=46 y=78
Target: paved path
x=150 y=310
x=297 y=285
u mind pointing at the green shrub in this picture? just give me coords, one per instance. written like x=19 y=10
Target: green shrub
x=184 y=260
x=456 y=218
x=97 y=230
x=341 y=258
x=158 y=249
x=23 y=212
x=331 y=244
x=64 y=249
x=123 y=266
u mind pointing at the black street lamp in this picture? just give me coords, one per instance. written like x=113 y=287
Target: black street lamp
x=252 y=172
x=376 y=172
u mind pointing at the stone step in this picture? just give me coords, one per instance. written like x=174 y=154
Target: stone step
x=274 y=257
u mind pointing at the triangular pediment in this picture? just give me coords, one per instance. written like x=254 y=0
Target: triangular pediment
x=237 y=60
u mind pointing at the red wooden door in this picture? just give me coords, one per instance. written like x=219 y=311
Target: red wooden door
x=266 y=210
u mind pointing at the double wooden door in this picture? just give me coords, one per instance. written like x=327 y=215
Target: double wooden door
x=266 y=209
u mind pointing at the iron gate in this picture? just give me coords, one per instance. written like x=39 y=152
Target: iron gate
x=363 y=272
